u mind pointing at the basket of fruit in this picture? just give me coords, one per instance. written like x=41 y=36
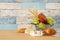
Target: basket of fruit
x=41 y=25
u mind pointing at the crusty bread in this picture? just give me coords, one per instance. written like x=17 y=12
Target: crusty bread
x=21 y=30
x=49 y=31
x=41 y=15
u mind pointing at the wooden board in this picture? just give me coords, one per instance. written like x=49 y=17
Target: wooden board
x=12 y=35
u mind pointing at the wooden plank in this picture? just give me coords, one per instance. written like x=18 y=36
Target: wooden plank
x=12 y=35
x=10 y=5
x=53 y=6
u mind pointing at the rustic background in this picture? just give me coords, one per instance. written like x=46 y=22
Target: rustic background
x=14 y=14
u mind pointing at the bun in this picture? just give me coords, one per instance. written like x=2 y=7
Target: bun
x=21 y=30
x=49 y=31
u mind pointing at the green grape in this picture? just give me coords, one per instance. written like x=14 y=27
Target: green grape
x=42 y=25
x=50 y=21
x=36 y=20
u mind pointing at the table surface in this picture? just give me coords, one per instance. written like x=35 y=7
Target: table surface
x=13 y=35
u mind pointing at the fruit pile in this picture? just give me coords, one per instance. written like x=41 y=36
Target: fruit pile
x=41 y=21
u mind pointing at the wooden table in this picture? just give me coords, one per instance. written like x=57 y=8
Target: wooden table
x=12 y=35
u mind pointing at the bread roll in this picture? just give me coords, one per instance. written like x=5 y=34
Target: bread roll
x=21 y=30
x=49 y=31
